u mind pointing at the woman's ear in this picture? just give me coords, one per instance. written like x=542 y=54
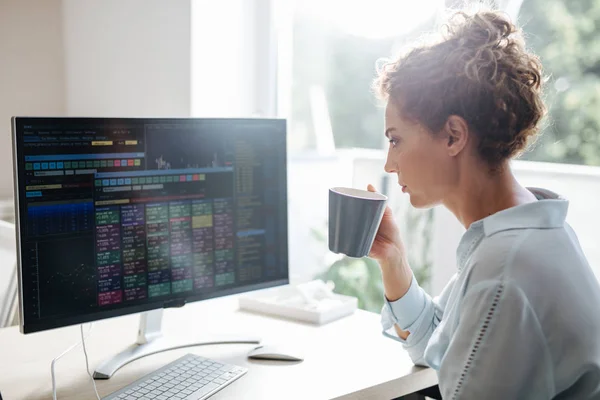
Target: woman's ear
x=457 y=134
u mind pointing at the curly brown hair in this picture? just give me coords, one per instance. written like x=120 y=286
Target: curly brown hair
x=481 y=71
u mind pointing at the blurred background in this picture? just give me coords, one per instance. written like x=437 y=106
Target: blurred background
x=312 y=62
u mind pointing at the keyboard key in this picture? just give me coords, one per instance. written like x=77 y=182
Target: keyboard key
x=201 y=392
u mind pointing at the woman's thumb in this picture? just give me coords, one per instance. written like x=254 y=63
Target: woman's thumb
x=371 y=188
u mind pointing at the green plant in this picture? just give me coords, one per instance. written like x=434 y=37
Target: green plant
x=358 y=277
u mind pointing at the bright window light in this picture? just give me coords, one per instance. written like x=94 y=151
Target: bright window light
x=375 y=19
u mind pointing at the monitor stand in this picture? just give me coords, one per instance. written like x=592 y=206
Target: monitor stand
x=151 y=341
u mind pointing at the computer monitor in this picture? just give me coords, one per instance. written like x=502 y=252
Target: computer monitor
x=121 y=215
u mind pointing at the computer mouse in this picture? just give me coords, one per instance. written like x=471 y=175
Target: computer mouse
x=271 y=352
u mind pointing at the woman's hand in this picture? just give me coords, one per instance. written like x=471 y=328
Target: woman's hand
x=388 y=245
x=388 y=250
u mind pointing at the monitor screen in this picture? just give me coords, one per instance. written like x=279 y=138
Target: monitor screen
x=117 y=216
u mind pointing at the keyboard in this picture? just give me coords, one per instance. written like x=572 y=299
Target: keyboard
x=190 y=377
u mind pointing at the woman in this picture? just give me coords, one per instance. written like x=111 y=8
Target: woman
x=520 y=319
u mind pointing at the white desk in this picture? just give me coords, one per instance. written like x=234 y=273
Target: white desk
x=348 y=358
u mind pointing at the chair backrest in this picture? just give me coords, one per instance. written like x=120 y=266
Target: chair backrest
x=8 y=274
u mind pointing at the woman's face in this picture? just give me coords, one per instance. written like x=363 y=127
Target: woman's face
x=420 y=159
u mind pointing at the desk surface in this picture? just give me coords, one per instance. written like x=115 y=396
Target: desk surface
x=348 y=358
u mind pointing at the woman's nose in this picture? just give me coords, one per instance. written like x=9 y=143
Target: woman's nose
x=389 y=166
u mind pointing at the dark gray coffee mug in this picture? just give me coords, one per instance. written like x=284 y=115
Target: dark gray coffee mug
x=354 y=218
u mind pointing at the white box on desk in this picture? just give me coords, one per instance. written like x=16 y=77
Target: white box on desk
x=288 y=303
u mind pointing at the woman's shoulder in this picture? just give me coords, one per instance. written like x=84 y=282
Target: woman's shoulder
x=529 y=257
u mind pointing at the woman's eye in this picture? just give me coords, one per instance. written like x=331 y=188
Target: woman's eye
x=393 y=142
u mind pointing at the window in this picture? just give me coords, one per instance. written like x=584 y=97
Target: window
x=565 y=35
x=336 y=45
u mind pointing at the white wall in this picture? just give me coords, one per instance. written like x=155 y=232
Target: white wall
x=127 y=58
x=234 y=58
x=32 y=78
x=309 y=178
x=217 y=62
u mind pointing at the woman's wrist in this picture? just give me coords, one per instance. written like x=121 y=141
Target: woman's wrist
x=396 y=274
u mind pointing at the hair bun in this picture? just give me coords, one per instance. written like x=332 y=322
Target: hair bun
x=483 y=29
x=479 y=70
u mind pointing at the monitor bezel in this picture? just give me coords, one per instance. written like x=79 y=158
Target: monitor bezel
x=27 y=327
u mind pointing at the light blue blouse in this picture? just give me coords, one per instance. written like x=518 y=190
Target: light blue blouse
x=520 y=319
